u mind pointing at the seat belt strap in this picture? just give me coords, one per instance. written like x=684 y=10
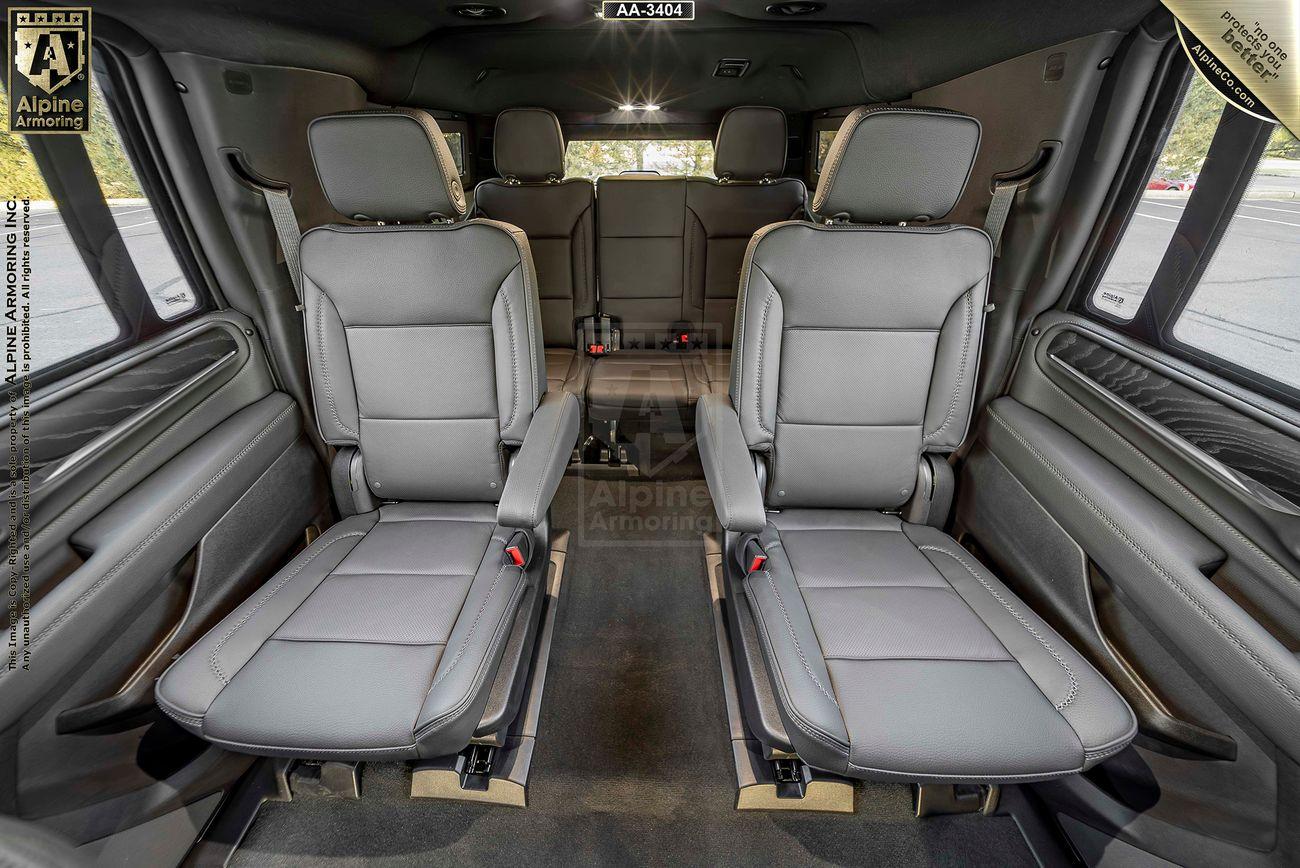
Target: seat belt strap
x=286 y=229
x=1004 y=193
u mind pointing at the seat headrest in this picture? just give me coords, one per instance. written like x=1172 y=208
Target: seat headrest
x=389 y=165
x=750 y=144
x=528 y=145
x=896 y=164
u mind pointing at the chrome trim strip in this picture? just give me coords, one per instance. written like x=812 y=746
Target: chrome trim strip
x=133 y=423
x=1243 y=485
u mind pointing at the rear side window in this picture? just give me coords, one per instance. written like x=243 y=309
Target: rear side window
x=591 y=159
x=1208 y=263
x=1142 y=247
x=1246 y=306
x=96 y=242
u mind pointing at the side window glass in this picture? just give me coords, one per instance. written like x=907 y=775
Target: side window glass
x=1135 y=259
x=146 y=244
x=69 y=315
x=1244 y=308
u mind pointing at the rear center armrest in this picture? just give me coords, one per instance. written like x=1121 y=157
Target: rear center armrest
x=728 y=466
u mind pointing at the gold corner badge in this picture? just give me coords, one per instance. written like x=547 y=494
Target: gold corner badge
x=49 y=70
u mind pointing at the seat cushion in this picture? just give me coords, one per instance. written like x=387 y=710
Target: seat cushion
x=897 y=656
x=715 y=367
x=646 y=388
x=567 y=370
x=380 y=640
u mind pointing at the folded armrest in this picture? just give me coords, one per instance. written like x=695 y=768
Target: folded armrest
x=728 y=466
x=540 y=463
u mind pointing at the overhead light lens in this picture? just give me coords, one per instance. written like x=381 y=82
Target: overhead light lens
x=478 y=11
x=639 y=107
x=651 y=107
x=627 y=107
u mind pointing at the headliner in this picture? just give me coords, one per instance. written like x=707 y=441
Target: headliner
x=558 y=54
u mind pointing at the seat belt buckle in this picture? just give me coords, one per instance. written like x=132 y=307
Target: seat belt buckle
x=755 y=558
x=519 y=550
x=680 y=339
x=596 y=335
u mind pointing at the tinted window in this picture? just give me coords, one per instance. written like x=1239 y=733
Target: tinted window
x=591 y=159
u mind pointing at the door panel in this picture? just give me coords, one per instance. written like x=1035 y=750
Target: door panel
x=167 y=483
x=1145 y=508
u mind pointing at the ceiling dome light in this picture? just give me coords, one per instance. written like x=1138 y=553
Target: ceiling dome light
x=478 y=11
x=639 y=107
x=795 y=7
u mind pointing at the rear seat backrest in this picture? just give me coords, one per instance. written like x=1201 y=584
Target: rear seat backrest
x=859 y=342
x=556 y=214
x=422 y=337
x=722 y=215
x=641 y=220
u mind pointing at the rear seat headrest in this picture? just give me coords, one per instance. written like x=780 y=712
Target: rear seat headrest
x=528 y=145
x=750 y=144
x=389 y=165
x=896 y=164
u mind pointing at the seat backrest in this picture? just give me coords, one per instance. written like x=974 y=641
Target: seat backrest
x=422 y=337
x=641 y=220
x=555 y=213
x=722 y=215
x=858 y=336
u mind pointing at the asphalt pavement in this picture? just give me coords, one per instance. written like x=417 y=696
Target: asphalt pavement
x=1246 y=307
x=69 y=315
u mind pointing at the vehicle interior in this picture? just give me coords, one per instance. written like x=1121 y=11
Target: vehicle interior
x=812 y=432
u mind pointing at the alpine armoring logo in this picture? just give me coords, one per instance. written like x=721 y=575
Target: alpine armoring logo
x=1251 y=47
x=49 y=70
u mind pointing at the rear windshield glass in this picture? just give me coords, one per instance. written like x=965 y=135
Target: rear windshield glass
x=591 y=159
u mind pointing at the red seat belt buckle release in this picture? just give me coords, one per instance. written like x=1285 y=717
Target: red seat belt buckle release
x=596 y=349
x=515 y=555
x=756 y=563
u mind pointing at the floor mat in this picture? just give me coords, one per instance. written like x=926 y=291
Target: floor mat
x=633 y=762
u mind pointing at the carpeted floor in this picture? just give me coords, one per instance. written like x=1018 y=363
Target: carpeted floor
x=633 y=764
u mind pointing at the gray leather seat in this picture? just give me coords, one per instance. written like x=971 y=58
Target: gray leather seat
x=382 y=638
x=670 y=257
x=557 y=215
x=891 y=651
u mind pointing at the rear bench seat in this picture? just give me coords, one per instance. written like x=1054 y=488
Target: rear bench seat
x=670 y=255
x=557 y=216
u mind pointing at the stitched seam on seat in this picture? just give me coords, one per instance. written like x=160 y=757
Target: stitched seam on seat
x=1102 y=754
x=1074 y=683
x=324 y=368
x=961 y=368
x=514 y=364
x=212 y=658
x=1168 y=577
x=1220 y=520
x=147 y=541
x=460 y=652
x=499 y=635
x=790 y=628
x=183 y=718
x=722 y=477
x=769 y=655
x=758 y=377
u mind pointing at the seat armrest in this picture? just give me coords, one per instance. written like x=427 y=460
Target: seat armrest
x=728 y=466
x=540 y=464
